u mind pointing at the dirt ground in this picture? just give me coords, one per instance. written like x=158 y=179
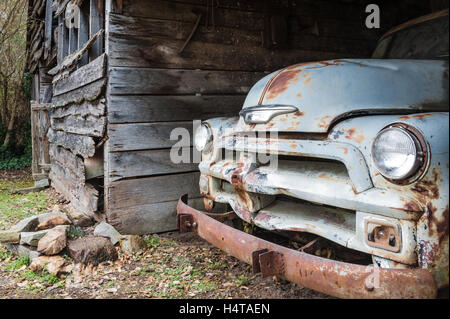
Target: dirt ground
x=174 y=265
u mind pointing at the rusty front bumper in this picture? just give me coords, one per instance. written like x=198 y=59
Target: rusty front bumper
x=343 y=280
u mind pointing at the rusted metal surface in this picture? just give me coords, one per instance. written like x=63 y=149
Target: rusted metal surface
x=326 y=183
x=335 y=278
x=427 y=190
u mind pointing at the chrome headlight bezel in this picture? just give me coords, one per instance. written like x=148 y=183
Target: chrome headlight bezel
x=203 y=137
x=415 y=167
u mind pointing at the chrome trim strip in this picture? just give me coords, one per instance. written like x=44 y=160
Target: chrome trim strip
x=276 y=109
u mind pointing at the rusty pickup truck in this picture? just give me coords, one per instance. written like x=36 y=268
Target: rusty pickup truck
x=354 y=151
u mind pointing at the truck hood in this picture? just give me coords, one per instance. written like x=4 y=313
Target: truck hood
x=325 y=92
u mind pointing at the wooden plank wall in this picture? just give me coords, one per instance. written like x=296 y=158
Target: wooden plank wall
x=153 y=88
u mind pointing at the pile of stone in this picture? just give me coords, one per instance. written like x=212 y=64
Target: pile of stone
x=44 y=238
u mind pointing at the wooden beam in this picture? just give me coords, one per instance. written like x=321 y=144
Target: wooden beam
x=88 y=125
x=88 y=92
x=145 y=136
x=157 y=108
x=143 y=191
x=78 y=144
x=137 y=81
x=83 y=76
x=147 y=163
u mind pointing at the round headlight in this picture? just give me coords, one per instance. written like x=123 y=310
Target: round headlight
x=397 y=153
x=203 y=138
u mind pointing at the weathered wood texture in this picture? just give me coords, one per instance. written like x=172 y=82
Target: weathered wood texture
x=78 y=125
x=89 y=92
x=83 y=197
x=147 y=108
x=40 y=124
x=142 y=136
x=81 y=77
x=78 y=144
x=148 y=205
x=148 y=163
x=139 y=81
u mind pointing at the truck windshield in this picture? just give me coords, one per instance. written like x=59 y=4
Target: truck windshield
x=426 y=40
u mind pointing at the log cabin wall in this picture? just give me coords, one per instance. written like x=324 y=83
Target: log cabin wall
x=171 y=62
x=77 y=105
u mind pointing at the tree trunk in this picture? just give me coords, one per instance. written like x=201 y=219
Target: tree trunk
x=4 y=106
x=12 y=119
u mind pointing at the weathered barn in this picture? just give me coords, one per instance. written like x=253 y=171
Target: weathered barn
x=109 y=90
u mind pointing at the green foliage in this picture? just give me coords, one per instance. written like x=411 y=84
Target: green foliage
x=15 y=207
x=75 y=232
x=18 y=263
x=4 y=254
x=152 y=242
x=42 y=276
x=16 y=156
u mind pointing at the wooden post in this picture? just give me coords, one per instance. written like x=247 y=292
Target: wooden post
x=95 y=25
x=48 y=29
x=35 y=141
x=83 y=31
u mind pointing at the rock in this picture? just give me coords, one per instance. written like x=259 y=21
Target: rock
x=27 y=251
x=9 y=237
x=91 y=250
x=131 y=244
x=42 y=183
x=29 y=224
x=54 y=241
x=32 y=238
x=52 y=221
x=106 y=230
x=79 y=219
x=53 y=264
x=22 y=250
x=25 y=225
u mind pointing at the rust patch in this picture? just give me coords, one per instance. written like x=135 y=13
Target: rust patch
x=323 y=121
x=411 y=207
x=352 y=134
x=299 y=113
x=428 y=189
x=344 y=149
x=299 y=95
x=422 y=116
x=441 y=225
x=328 y=177
x=282 y=82
x=306 y=81
x=405 y=117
